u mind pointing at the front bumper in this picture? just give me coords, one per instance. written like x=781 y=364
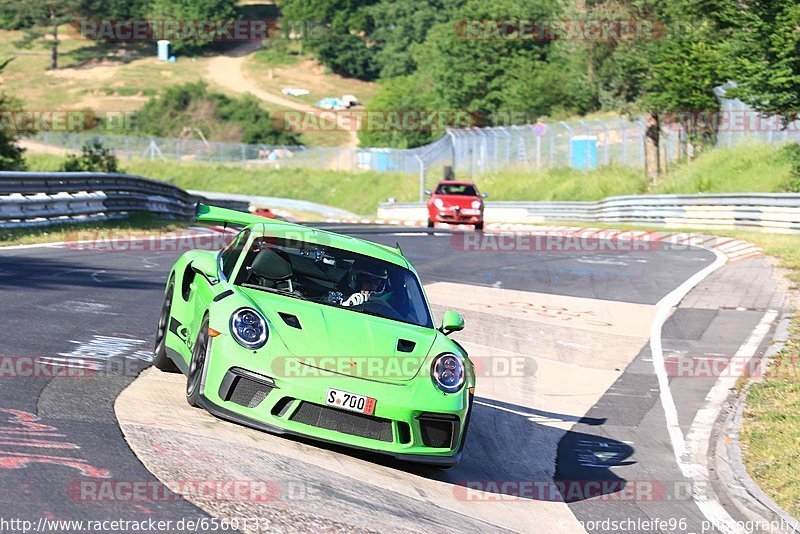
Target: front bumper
x=408 y=423
x=454 y=217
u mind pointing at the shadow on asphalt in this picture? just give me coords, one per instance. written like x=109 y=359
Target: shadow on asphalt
x=67 y=271
x=511 y=455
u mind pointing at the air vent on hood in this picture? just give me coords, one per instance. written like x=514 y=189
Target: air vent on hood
x=291 y=320
x=404 y=345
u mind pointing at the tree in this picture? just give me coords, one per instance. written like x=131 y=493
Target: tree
x=672 y=74
x=471 y=71
x=190 y=10
x=94 y=158
x=399 y=24
x=766 y=51
x=113 y=9
x=341 y=37
x=219 y=117
x=10 y=153
x=404 y=95
x=41 y=20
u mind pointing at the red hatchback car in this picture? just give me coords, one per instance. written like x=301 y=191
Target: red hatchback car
x=456 y=203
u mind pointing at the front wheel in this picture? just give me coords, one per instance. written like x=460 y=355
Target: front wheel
x=430 y=223
x=194 y=377
x=479 y=226
x=160 y=359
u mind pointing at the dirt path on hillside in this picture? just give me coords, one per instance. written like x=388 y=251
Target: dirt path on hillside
x=37 y=147
x=228 y=72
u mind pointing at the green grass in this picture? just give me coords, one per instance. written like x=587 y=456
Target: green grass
x=770 y=434
x=563 y=184
x=749 y=168
x=752 y=168
x=57 y=233
x=360 y=192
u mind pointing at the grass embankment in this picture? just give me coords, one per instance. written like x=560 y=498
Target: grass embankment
x=754 y=168
x=358 y=192
x=62 y=232
x=770 y=434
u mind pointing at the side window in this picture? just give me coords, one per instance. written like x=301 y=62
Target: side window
x=230 y=254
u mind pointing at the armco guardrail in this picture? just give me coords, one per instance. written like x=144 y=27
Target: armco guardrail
x=778 y=212
x=43 y=198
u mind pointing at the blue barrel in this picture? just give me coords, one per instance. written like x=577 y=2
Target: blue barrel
x=163 y=50
x=584 y=152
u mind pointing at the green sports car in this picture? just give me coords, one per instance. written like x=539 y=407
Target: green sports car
x=300 y=331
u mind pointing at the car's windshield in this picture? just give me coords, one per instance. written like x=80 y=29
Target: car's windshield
x=457 y=189
x=334 y=277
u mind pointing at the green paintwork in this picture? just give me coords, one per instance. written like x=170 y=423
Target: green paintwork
x=304 y=363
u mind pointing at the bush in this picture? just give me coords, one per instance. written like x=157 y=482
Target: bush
x=94 y=158
x=792 y=154
x=219 y=117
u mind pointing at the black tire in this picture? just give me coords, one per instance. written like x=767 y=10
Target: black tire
x=430 y=223
x=195 y=375
x=479 y=226
x=160 y=359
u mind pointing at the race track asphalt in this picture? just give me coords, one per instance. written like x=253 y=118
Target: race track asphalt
x=57 y=433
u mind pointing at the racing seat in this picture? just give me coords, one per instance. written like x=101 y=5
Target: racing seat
x=272 y=269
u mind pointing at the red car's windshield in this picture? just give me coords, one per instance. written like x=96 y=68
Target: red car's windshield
x=466 y=190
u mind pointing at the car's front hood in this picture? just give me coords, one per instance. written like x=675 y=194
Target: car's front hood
x=341 y=340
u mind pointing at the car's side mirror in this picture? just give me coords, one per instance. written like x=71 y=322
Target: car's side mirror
x=206 y=266
x=451 y=322
x=485 y=195
x=428 y=192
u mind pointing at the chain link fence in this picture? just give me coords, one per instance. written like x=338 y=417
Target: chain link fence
x=584 y=144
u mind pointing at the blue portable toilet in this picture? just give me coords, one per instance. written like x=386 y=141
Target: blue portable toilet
x=163 y=50
x=382 y=161
x=584 y=152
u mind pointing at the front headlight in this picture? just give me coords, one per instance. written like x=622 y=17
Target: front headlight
x=249 y=328
x=447 y=372
x=438 y=202
x=476 y=204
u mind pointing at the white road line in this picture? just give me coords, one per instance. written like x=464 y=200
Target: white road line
x=708 y=504
x=699 y=435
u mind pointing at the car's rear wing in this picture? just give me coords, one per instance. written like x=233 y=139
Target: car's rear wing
x=206 y=213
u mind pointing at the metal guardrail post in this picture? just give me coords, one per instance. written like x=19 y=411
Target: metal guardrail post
x=421 y=177
x=569 y=142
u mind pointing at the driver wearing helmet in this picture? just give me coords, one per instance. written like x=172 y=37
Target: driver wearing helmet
x=367 y=282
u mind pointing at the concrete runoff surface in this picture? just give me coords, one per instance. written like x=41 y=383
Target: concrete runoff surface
x=590 y=388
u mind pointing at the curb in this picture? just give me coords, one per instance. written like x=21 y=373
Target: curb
x=745 y=493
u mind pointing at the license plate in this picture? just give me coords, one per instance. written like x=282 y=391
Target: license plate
x=470 y=211
x=350 y=401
